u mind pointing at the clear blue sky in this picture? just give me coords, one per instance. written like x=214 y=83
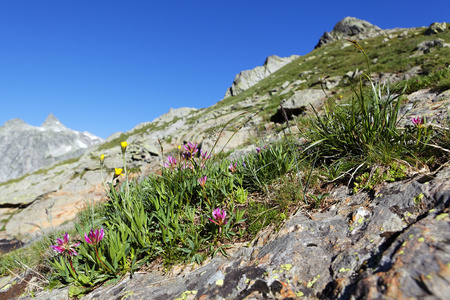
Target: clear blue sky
x=105 y=66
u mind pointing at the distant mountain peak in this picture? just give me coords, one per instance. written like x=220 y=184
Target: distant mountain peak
x=14 y=123
x=349 y=27
x=53 y=123
x=25 y=148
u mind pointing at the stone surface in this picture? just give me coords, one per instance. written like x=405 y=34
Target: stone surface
x=436 y=28
x=351 y=28
x=426 y=46
x=174 y=113
x=249 y=78
x=298 y=103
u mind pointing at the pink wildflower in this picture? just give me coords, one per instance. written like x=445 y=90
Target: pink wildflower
x=232 y=167
x=191 y=149
x=171 y=162
x=219 y=216
x=417 y=121
x=64 y=247
x=202 y=181
x=204 y=155
x=94 y=237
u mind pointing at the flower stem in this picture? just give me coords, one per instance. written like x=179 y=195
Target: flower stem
x=205 y=195
x=95 y=247
x=70 y=261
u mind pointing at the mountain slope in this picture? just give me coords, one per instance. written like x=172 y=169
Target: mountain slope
x=395 y=54
x=25 y=148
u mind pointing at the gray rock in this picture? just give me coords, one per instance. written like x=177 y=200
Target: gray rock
x=332 y=81
x=298 y=103
x=249 y=78
x=351 y=28
x=425 y=46
x=304 y=98
x=174 y=113
x=354 y=74
x=436 y=28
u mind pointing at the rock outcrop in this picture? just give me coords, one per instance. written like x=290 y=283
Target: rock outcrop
x=249 y=78
x=391 y=244
x=436 y=28
x=351 y=28
x=25 y=148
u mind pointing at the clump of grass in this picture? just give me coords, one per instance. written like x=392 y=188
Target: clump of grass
x=365 y=131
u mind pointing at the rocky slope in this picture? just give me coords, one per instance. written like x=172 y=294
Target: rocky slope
x=390 y=243
x=249 y=78
x=25 y=148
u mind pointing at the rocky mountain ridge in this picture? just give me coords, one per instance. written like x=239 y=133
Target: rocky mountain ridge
x=25 y=148
x=249 y=78
x=385 y=244
x=350 y=28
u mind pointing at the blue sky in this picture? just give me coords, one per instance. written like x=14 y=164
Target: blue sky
x=105 y=66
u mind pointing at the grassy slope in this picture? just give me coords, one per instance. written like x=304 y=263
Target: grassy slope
x=334 y=59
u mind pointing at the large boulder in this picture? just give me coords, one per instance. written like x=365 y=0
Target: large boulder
x=351 y=28
x=436 y=28
x=299 y=102
x=249 y=78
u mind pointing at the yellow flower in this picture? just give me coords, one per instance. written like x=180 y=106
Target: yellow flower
x=124 y=146
x=179 y=147
x=117 y=172
x=102 y=158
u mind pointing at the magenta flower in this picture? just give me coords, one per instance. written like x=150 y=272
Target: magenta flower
x=191 y=149
x=171 y=162
x=204 y=155
x=64 y=247
x=232 y=167
x=417 y=121
x=219 y=216
x=258 y=150
x=202 y=181
x=94 y=237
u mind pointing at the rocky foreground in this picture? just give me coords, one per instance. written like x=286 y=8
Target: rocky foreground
x=390 y=244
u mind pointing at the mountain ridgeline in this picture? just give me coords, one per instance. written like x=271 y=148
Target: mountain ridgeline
x=25 y=148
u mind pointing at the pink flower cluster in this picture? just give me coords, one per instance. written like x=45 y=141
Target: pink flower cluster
x=94 y=237
x=191 y=149
x=219 y=217
x=202 y=181
x=171 y=162
x=417 y=121
x=232 y=167
x=62 y=246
